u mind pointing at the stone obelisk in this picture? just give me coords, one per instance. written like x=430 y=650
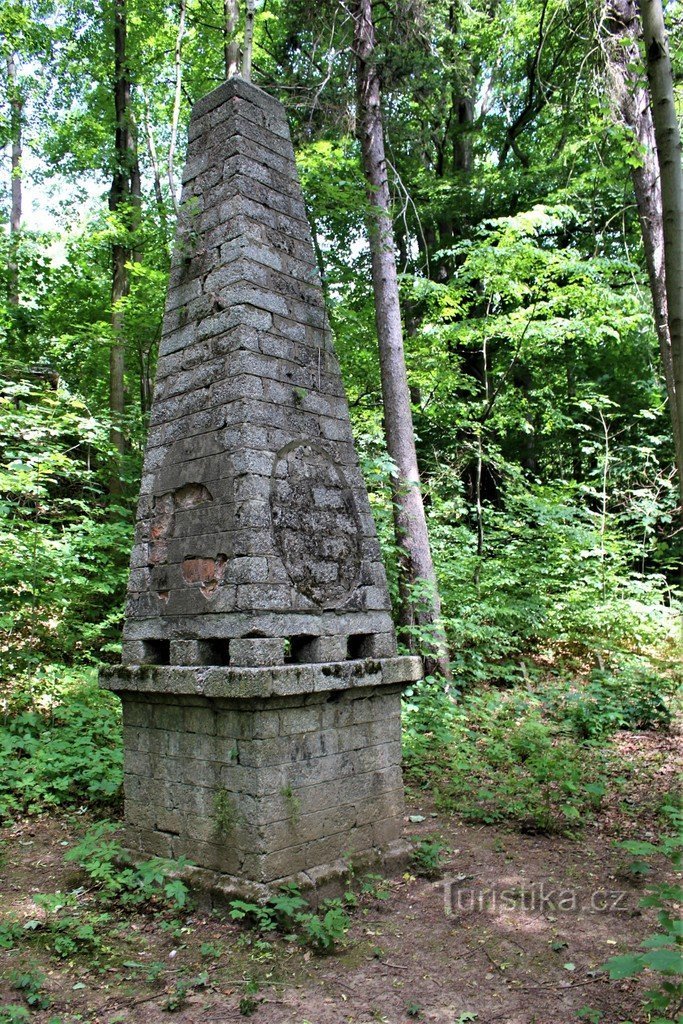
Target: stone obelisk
x=260 y=682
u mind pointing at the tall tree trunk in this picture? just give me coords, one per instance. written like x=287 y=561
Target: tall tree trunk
x=231 y=49
x=16 y=111
x=668 y=143
x=248 y=41
x=409 y=517
x=178 y=67
x=622 y=56
x=119 y=197
x=156 y=173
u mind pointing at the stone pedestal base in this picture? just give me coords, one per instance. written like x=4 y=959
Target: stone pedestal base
x=264 y=775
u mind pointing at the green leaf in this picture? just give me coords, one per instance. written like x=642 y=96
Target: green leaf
x=626 y=966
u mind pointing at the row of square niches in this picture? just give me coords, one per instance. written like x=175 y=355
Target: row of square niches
x=263 y=651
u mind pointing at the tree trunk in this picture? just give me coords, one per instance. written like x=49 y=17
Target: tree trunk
x=156 y=173
x=668 y=143
x=248 y=41
x=119 y=197
x=231 y=49
x=620 y=44
x=423 y=607
x=16 y=110
x=178 y=67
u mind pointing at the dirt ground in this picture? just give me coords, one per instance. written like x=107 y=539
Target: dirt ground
x=513 y=930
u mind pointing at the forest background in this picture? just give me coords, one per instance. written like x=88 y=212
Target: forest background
x=521 y=168
x=538 y=400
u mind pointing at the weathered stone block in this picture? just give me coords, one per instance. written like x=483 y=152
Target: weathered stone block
x=288 y=779
x=258 y=651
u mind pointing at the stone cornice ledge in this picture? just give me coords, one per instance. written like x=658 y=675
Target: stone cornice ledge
x=277 y=681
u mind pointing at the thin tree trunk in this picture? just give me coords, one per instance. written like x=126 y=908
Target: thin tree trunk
x=409 y=517
x=622 y=55
x=248 y=41
x=668 y=142
x=231 y=49
x=177 y=60
x=16 y=111
x=156 y=173
x=118 y=198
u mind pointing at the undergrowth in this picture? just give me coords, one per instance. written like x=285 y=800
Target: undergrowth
x=660 y=953
x=60 y=743
x=67 y=924
x=288 y=913
x=536 y=755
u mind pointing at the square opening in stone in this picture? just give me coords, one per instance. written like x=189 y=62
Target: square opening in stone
x=214 y=652
x=156 y=652
x=359 y=645
x=299 y=649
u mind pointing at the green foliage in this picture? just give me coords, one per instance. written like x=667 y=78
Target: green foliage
x=293 y=804
x=372 y=885
x=14 y=1014
x=225 y=815
x=324 y=932
x=68 y=928
x=60 y=742
x=567 y=599
x=288 y=912
x=248 y=1005
x=427 y=857
x=504 y=760
x=632 y=695
x=177 y=998
x=62 y=542
x=663 y=951
x=76 y=923
x=30 y=984
x=119 y=879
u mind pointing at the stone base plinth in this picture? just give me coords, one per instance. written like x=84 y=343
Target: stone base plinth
x=264 y=775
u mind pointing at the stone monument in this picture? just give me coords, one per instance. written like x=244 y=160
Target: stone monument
x=260 y=683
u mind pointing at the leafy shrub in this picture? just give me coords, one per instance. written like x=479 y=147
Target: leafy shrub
x=30 y=984
x=60 y=743
x=662 y=951
x=14 y=1014
x=73 y=923
x=288 y=912
x=578 y=593
x=64 y=543
x=631 y=696
x=506 y=762
x=67 y=928
x=427 y=857
x=117 y=877
x=431 y=719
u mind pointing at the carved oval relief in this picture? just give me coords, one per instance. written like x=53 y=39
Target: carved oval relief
x=315 y=523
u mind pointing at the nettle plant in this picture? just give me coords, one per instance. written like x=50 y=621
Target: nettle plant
x=288 y=913
x=661 y=953
x=60 y=743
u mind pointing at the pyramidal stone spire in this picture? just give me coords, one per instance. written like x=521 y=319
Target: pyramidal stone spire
x=254 y=521
x=259 y=655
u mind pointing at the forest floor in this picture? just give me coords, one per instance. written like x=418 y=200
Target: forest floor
x=531 y=919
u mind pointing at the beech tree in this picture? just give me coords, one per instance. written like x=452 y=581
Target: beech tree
x=16 y=105
x=668 y=148
x=620 y=32
x=124 y=202
x=420 y=604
